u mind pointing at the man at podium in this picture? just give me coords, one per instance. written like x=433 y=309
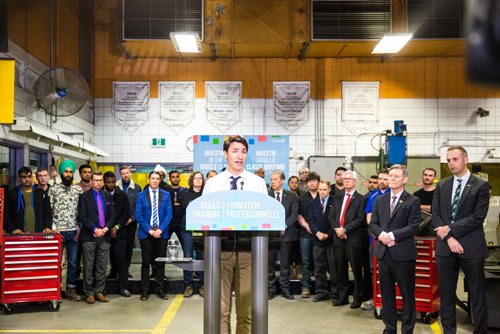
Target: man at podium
x=236 y=264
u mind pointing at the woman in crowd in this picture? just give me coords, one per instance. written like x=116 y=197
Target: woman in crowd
x=196 y=182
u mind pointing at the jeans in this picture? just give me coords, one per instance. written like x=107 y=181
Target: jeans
x=186 y=240
x=306 y=246
x=68 y=240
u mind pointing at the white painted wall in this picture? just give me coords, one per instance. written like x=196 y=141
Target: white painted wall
x=433 y=124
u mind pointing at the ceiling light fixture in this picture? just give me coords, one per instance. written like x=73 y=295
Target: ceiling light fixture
x=392 y=43
x=188 y=42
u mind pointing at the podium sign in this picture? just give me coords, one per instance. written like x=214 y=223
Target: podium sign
x=235 y=211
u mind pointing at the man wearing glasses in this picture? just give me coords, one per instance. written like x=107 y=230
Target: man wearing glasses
x=28 y=208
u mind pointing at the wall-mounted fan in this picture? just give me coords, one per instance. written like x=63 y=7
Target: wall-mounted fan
x=61 y=91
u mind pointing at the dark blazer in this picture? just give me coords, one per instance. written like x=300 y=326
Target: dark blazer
x=143 y=213
x=88 y=215
x=122 y=211
x=355 y=224
x=291 y=204
x=403 y=224
x=317 y=221
x=471 y=212
x=14 y=210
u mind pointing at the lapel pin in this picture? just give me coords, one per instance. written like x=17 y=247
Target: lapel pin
x=400 y=201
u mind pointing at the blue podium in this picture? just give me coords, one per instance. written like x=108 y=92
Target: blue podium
x=235 y=211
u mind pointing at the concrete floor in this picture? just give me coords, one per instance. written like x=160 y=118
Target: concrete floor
x=185 y=316
x=180 y=315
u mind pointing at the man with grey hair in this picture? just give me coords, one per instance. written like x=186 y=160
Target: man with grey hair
x=303 y=172
x=351 y=242
x=394 y=222
x=284 y=240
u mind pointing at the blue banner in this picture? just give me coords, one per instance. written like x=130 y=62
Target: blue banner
x=268 y=152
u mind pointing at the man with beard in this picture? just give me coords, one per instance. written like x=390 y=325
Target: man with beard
x=132 y=190
x=338 y=187
x=179 y=228
x=64 y=203
x=427 y=192
x=85 y=171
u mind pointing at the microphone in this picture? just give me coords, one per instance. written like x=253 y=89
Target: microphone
x=230 y=185
x=241 y=185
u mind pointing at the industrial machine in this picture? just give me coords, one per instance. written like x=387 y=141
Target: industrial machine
x=395 y=146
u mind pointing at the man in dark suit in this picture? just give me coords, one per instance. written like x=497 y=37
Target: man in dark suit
x=118 y=254
x=284 y=239
x=27 y=208
x=153 y=212
x=351 y=242
x=459 y=208
x=318 y=214
x=97 y=214
x=394 y=222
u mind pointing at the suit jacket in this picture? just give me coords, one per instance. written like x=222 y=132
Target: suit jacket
x=471 y=212
x=318 y=222
x=355 y=224
x=14 y=210
x=291 y=204
x=403 y=224
x=88 y=214
x=143 y=213
x=122 y=211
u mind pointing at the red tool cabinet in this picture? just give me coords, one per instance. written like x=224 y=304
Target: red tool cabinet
x=426 y=283
x=31 y=270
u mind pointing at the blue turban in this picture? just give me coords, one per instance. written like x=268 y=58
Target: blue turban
x=65 y=164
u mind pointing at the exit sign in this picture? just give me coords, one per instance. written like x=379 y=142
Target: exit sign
x=158 y=143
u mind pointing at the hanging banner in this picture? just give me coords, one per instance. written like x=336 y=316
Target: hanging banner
x=291 y=103
x=7 y=77
x=176 y=103
x=223 y=101
x=360 y=105
x=268 y=152
x=130 y=104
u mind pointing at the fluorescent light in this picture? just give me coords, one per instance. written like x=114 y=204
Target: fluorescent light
x=186 y=41
x=392 y=43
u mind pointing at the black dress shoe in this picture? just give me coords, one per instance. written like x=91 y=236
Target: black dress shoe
x=355 y=304
x=144 y=296
x=320 y=297
x=271 y=295
x=125 y=293
x=112 y=275
x=162 y=295
x=339 y=303
x=287 y=295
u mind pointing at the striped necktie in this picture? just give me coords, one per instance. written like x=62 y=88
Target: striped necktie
x=456 y=198
x=155 y=210
x=393 y=204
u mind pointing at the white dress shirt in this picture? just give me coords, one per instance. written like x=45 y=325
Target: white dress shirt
x=246 y=182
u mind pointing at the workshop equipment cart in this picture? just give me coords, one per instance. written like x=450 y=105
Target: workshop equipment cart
x=426 y=284
x=31 y=270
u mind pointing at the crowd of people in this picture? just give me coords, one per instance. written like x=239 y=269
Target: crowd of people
x=329 y=228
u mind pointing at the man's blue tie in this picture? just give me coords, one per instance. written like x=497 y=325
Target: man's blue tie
x=234 y=180
x=155 y=210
